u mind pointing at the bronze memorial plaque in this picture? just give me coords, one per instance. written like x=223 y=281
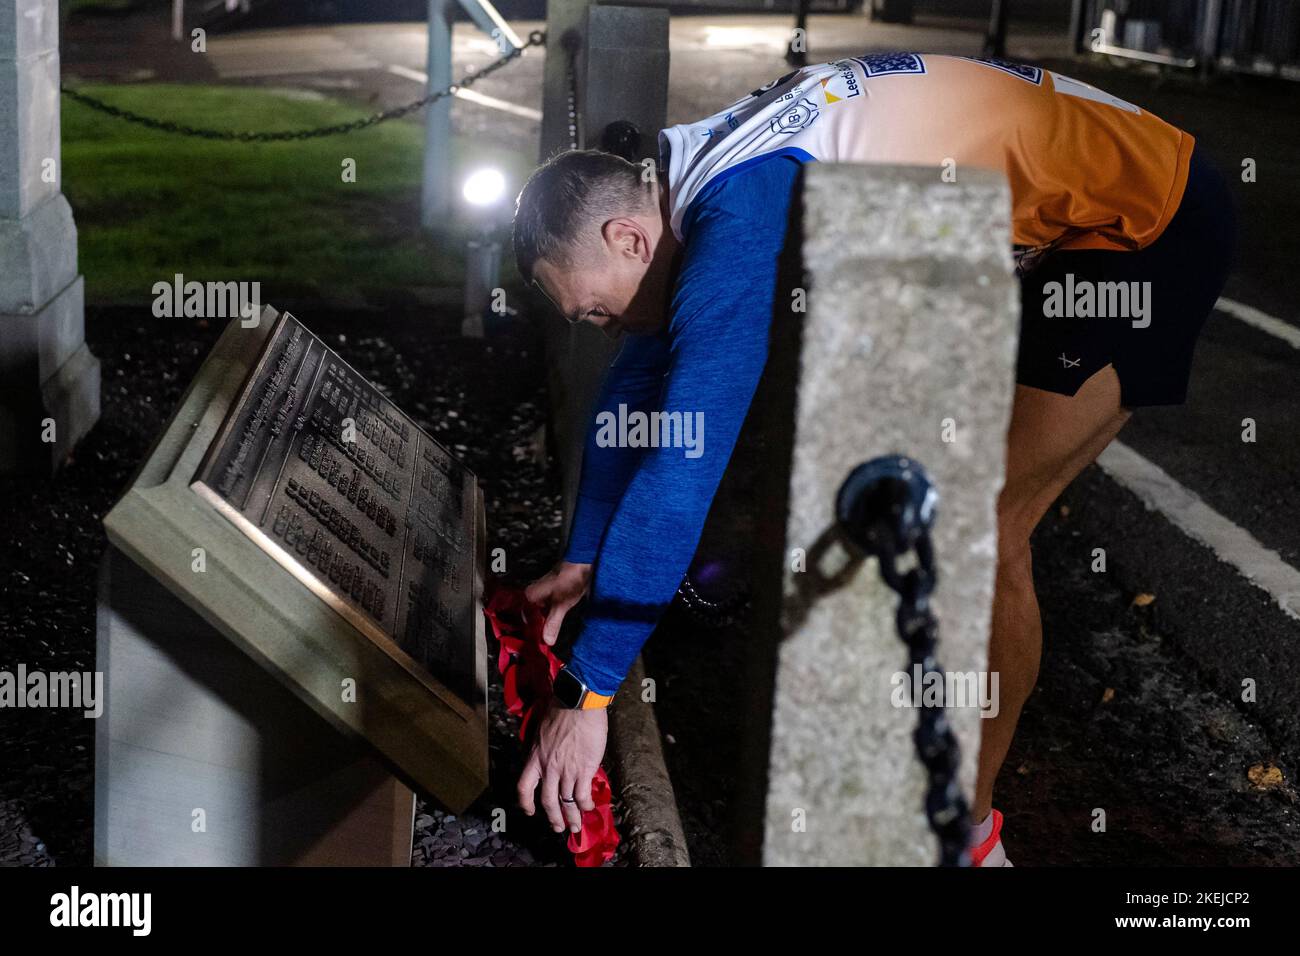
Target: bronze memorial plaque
x=333 y=480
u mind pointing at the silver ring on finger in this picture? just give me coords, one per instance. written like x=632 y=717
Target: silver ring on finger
x=568 y=800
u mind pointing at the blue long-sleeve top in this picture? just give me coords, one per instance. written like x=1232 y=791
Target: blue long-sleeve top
x=641 y=510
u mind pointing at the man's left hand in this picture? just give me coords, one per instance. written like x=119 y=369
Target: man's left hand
x=566 y=754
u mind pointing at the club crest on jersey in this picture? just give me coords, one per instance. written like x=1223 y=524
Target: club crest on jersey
x=1030 y=74
x=795 y=117
x=885 y=64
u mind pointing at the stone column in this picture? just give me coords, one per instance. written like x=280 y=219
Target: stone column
x=51 y=381
x=563 y=18
x=622 y=74
x=908 y=347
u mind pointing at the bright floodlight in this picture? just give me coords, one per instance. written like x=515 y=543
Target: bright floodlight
x=484 y=187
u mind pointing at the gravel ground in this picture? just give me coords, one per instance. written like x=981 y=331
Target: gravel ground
x=1120 y=720
x=483 y=399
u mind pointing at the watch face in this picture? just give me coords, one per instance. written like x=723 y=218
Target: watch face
x=568 y=689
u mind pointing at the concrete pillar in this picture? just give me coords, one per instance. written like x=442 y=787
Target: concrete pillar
x=51 y=381
x=622 y=74
x=566 y=23
x=911 y=321
x=564 y=18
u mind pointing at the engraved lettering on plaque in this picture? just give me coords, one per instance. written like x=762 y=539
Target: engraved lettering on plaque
x=381 y=527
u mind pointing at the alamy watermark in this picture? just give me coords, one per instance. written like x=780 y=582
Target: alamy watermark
x=1084 y=299
x=208 y=300
x=76 y=908
x=921 y=688
x=25 y=688
x=639 y=429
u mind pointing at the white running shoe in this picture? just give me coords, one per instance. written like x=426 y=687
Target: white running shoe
x=990 y=852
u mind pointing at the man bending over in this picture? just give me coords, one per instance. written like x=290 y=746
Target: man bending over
x=685 y=263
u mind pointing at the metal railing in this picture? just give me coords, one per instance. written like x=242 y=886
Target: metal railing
x=1244 y=36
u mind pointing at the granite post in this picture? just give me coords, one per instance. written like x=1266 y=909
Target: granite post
x=621 y=69
x=907 y=346
x=51 y=381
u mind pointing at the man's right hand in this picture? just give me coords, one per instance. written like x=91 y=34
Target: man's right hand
x=558 y=590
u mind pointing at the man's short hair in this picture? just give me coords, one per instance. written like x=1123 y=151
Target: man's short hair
x=567 y=200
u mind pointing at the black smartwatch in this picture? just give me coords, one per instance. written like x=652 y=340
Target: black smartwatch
x=575 y=695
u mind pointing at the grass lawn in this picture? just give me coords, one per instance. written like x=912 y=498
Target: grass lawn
x=151 y=204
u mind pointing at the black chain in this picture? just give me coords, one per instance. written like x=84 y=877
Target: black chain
x=886 y=506
x=715 y=614
x=536 y=38
x=571 y=42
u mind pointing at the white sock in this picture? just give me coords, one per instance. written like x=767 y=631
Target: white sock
x=981 y=831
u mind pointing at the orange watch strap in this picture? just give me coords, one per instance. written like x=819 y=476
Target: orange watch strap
x=593 y=701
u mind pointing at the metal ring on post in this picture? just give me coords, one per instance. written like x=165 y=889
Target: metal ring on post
x=622 y=138
x=885 y=506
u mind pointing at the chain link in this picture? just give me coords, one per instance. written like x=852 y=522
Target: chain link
x=936 y=745
x=536 y=38
x=571 y=42
x=887 y=507
x=715 y=614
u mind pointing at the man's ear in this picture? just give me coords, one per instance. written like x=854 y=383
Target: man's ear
x=627 y=236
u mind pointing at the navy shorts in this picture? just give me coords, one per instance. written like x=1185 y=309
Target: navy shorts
x=1148 y=305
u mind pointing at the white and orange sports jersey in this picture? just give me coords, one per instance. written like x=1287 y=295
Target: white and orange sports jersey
x=1086 y=170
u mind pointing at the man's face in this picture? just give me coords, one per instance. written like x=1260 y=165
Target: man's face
x=617 y=282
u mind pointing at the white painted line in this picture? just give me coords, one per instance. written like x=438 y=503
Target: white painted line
x=407 y=73
x=471 y=96
x=1261 y=320
x=505 y=106
x=1236 y=546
